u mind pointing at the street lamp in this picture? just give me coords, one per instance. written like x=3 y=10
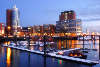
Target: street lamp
x=9 y=27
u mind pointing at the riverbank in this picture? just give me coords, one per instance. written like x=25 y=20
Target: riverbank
x=54 y=54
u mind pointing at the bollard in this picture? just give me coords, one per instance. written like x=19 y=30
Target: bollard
x=66 y=43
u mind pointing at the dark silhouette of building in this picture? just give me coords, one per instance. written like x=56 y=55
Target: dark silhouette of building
x=9 y=21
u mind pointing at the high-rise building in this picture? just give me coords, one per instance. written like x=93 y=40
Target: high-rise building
x=9 y=21
x=15 y=19
x=12 y=21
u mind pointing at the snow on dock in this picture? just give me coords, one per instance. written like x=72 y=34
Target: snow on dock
x=54 y=54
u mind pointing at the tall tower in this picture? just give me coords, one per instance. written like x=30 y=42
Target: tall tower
x=9 y=21
x=12 y=21
x=15 y=19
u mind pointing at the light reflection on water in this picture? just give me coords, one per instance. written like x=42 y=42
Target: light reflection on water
x=17 y=58
x=8 y=57
x=24 y=57
x=60 y=61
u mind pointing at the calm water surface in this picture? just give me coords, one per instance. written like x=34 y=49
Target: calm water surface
x=16 y=58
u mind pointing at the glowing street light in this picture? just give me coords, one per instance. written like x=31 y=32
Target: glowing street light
x=9 y=27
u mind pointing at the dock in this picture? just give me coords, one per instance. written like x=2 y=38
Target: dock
x=53 y=54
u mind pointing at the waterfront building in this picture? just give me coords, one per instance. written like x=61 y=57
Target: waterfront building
x=67 y=15
x=46 y=28
x=25 y=31
x=15 y=19
x=2 y=29
x=37 y=29
x=69 y=27
x=12 y=21
x=68 y=24
x=9 y=22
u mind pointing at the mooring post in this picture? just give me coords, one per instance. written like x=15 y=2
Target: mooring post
x=83 y=41
x=44 y=39
x=66 y=43
x=16 y=40
x=7 y=38
x=94 y=39
x=99 y=47
x=29 y=42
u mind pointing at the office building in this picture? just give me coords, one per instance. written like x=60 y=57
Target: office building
x=2 y=29
x=15 y=19
x=68 y=24
x=12 y=21
x=67 y=15
x=9 y=22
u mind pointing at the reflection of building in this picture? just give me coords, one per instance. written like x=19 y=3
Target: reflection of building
x=2 y=29
x=12 y=20
x=68 y=23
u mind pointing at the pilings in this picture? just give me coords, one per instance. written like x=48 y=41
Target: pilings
x=44 y=40
x=28 y=42
x=99 y=47
x=83 y=42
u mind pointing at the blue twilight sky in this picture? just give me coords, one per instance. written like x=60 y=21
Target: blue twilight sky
x=36 y=12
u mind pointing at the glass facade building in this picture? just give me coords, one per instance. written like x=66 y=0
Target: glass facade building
x=15 y=19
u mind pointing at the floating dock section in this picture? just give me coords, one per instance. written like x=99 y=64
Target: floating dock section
x=53 y=54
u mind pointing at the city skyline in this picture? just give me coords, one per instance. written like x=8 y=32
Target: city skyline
x=40 y=12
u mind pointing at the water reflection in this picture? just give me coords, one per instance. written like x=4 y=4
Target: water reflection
x=60 y=62
x=17 y=58
x=8 y=57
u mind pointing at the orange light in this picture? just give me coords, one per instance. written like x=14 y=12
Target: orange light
x=80 y=55
x=8 y=57
x=71 y=55
x=75 y=55
x=93 y=33
x=9 y=27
